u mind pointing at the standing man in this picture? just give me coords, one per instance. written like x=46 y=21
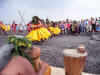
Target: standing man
x=14 y=25
x=62 y=27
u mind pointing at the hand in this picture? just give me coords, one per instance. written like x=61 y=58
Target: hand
x=43 y=66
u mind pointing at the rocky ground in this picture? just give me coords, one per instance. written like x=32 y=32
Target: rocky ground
x=52 y=50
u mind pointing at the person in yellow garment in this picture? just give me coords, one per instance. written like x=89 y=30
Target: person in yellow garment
x=57 y=30
x=54 y=29
x=6 y=27
x=38 y=32
x=51 y=28
x=2 y=25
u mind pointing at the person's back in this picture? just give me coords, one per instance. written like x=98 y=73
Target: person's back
x=20 y=66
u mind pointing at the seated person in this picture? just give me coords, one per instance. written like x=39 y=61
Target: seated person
x=16 y=65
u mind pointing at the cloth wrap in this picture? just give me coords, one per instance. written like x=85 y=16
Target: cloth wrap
x=5 y=55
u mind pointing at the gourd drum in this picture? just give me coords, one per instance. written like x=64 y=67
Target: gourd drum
x=35 y=55
x=74 y=61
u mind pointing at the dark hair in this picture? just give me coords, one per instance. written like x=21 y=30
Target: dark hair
x=54 y=24
x=37 y=20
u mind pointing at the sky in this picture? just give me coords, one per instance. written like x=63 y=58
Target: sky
x=53 y=9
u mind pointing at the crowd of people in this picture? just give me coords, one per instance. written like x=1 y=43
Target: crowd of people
x=79 y=27
x=12 y=27
x=37 y=29
x=67 y=27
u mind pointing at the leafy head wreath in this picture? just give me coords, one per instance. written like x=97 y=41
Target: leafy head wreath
x=37 y=20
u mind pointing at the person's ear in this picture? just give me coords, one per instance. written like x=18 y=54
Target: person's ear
x=29 y=51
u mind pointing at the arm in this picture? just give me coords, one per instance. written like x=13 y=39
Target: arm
x=36 y=26
x=40 y=24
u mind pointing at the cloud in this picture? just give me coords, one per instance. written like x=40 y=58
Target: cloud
x=79 y=9
x=53 y=9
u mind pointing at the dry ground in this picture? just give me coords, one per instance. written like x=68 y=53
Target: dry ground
x=53 y=48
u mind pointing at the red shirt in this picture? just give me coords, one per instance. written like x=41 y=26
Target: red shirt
x=14 y=25
x=68 y=26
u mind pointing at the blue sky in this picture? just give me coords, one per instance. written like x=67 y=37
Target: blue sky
x=53 y=9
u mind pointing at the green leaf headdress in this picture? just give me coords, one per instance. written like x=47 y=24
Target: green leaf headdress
x=37 y=20
x=21 y=46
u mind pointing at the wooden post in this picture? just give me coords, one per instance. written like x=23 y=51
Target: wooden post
x=74 y=61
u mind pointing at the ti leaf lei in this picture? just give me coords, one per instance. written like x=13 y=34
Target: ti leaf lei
x=21 y=45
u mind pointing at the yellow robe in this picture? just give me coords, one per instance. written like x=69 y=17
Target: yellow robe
x=5 y=27
x=38 y=34
x=57 y=30
x=54 y=30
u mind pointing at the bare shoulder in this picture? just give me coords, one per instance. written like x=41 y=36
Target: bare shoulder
x=9 y=73
x=13 y=67
x=16 y=66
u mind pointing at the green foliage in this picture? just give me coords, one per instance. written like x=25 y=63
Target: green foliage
x=24 y=54
x=21 y=45
x=19 y=42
